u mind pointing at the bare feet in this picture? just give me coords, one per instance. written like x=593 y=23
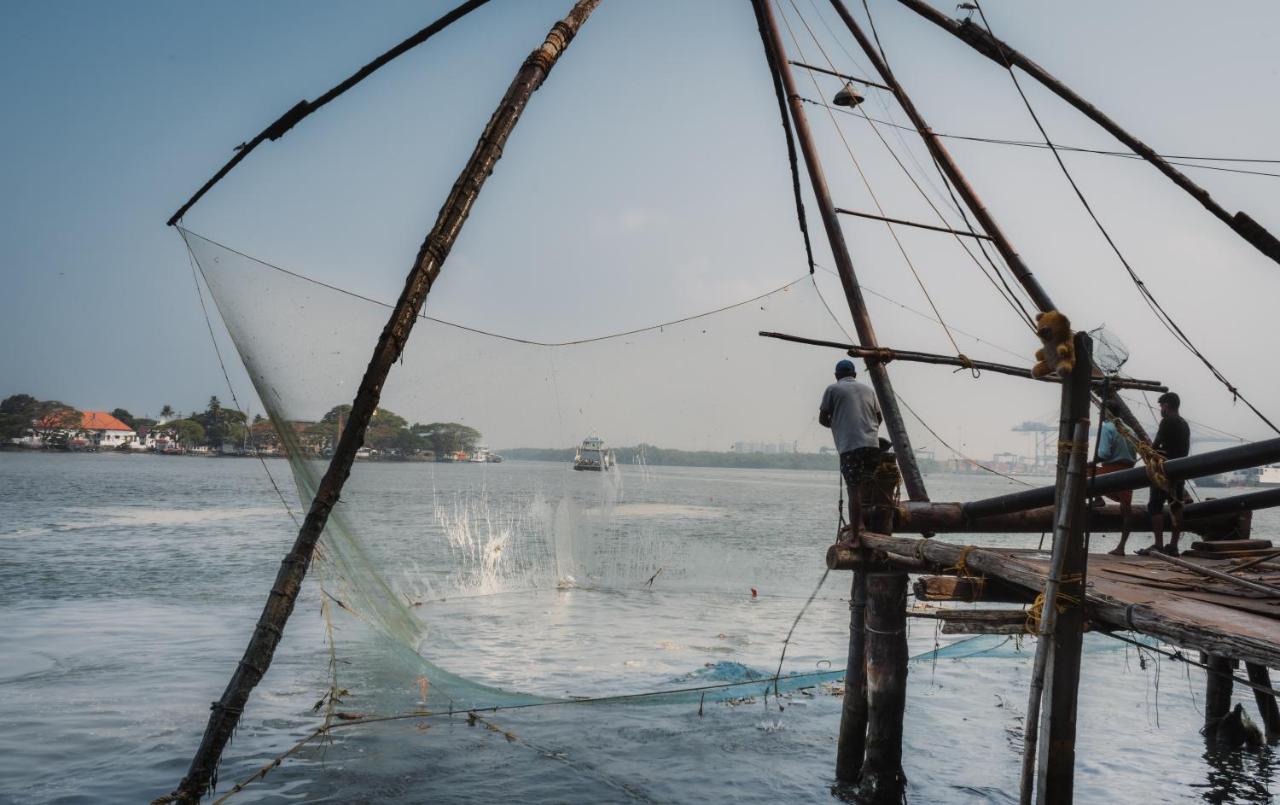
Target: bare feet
x=1117 y=551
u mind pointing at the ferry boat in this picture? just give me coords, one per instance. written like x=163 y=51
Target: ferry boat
x=1270 y=475
x=484 y=455
x=593 y=456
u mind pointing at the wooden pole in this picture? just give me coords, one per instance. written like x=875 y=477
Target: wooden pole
x=887 y=354
x=948 y=518
x=1002 y=54
x=426 y=267
x=947 y=164
x=1217 y=694
x=1056 y=672
x=893 y=420
x=882 y=779
x=1267 y=709
x=851 y=744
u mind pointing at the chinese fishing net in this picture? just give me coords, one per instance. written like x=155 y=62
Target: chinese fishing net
x=651 y=572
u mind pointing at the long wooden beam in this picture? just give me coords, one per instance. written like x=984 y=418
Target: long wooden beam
x=1254 y=454
x=1002 y=54
x=948 y=518
x=426 y=267
x=893 y=419
x=886 y=354
x=1102 y=608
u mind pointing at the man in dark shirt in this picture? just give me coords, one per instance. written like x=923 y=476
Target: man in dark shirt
x=1173 y=440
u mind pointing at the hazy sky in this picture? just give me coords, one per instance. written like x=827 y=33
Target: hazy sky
x=647 y=181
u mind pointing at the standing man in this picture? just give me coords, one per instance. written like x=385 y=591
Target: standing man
x=1116 y=452
x=851 y=411
x=1173 y=440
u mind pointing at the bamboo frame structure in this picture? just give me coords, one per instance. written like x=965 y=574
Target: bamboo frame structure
x=1002 y=54
x=893 y=419
x=426 y=267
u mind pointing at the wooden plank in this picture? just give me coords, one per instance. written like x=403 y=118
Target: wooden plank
x=1120 y=603
x=1230 y=545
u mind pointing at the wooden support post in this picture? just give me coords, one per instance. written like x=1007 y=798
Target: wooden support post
x=882 y=779
x=1217 y=692
x=1267 y=709
x=851 y=744
x=426 y=267
x=1048 y=766
x=893 y=420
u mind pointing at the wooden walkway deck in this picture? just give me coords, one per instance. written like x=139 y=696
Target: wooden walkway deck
x=1142 y=594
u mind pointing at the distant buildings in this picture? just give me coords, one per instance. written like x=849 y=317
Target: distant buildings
x=768 y=448
x=102 y=430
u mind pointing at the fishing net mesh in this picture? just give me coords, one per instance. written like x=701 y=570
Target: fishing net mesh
x=406 y=544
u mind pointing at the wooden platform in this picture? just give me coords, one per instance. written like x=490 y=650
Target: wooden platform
x=1143 y=594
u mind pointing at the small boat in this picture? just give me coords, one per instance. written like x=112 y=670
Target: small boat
x=484 y=455
x=593 y=456
x=1270 y=475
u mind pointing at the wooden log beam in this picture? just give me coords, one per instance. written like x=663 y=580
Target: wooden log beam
x=1217 y=697
x=426 y=267
x=884 y=355
x=948 y=518
x=1002 y=54
x=1254 y=454
x=968 y=589
x=1103 y=609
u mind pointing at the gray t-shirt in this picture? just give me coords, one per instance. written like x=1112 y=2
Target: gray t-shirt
x=854 y=413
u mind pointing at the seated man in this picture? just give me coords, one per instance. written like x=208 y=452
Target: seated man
x=1116 y=452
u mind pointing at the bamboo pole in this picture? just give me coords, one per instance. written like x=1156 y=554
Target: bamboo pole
x=893 y=419
x=947 y=164
x=1217 y=699
x=886 y=354
x=426 y=267
x=1002 y=54
x=302 y=109
x=1056 y=672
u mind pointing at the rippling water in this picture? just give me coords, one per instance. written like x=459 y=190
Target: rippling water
x=129 y=585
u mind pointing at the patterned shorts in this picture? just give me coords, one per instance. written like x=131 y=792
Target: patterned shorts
x=859 y=465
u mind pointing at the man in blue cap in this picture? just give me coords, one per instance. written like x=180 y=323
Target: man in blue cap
x=851 y=411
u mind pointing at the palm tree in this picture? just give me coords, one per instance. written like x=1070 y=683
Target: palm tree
x=167 y=412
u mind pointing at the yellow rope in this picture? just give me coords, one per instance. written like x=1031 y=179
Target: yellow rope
x=961 y=567
x=1062 y=602
x=1152 y=460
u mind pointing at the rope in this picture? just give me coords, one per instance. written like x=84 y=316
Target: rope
x=1161 y=314
x=1061 y=602
x=961 y=567
x=858 y=166
x=477 y=331
x=1171 y=159
x=786 y=642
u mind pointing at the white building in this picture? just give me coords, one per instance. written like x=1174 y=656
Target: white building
x=102 y=430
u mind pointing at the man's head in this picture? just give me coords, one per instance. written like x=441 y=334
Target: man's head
x=1169 y=403
x=845 y=368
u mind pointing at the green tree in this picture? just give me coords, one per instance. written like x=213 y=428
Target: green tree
x=447 y=437
x=17 y=412
x=187 y=432
x=124 y=416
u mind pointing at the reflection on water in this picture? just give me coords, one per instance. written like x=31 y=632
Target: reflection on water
x=129 y=584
